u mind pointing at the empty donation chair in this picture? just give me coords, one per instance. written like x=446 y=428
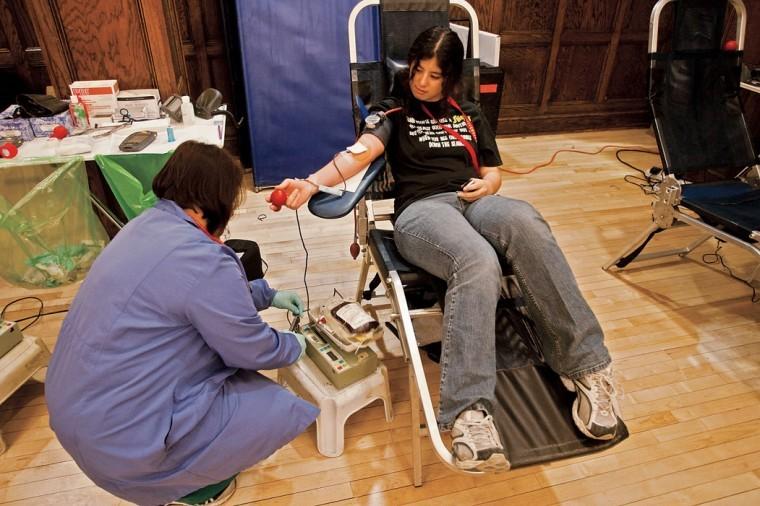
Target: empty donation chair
x=533 y=414
x=710 y=171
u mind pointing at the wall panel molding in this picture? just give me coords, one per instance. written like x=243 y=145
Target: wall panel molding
x=127 y=40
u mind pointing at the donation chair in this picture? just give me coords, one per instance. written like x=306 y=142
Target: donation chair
x=533 y=412
x=710 y=177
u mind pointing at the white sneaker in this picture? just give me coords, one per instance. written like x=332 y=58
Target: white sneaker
x=476 y=445
x=595 y=409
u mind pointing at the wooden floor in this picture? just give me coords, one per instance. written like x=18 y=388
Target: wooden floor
x=684 y=336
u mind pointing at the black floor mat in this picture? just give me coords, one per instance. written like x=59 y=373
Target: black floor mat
x=533 y=410
x=533 y=415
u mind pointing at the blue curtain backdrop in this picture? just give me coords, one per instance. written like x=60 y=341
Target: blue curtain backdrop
x=297 y=81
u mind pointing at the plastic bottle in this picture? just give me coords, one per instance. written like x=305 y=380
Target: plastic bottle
x=188 y=112
x=79 y=113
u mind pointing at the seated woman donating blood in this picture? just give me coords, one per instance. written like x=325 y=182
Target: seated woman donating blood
x=450 y=221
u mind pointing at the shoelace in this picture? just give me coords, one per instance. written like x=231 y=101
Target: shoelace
x=481 y=433
x=603 y=382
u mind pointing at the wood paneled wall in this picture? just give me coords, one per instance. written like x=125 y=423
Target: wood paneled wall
x=133 y=41
x=22 y=67
x=202 y=35
x=176 y=46
x=569 y=64
x=582 y=64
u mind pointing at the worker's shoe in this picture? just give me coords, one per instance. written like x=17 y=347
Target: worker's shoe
x=476 y=445
x=595 y=409
x=221 y=498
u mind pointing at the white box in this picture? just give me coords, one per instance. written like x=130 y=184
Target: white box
x=99 y=97
x=141 y=104
x=489 y=43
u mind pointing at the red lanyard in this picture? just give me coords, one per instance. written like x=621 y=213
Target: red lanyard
x=203 y=229
x=470 y=128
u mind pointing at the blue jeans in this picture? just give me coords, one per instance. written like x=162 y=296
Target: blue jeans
x=459 y=242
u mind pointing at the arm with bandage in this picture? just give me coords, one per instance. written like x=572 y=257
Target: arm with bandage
x=344 y=165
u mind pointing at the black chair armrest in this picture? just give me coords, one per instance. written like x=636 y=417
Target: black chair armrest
x=326 y=205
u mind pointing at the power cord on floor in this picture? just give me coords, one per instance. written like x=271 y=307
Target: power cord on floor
x=717 y=257
x=570 y=150
x=35 y=317
x=647 y=182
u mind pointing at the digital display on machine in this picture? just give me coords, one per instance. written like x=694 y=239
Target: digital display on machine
x=332 y=355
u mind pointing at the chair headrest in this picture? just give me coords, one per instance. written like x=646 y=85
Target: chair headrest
x=395 y=70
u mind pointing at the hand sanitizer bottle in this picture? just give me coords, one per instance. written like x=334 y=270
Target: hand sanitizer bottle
x=78 y=113
x=188 y=113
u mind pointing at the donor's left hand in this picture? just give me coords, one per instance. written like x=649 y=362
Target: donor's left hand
x=288 y=300
x=474 y=190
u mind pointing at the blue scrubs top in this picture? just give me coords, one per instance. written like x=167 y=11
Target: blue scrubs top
x=152 y=387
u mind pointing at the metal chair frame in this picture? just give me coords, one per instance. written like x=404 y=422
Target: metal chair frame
x=667 y=209
x=401 y=315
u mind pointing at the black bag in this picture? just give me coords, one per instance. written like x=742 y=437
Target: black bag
x=251 y=259
x=38 y=106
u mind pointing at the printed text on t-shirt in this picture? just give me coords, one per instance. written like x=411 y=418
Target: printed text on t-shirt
x=430 y=132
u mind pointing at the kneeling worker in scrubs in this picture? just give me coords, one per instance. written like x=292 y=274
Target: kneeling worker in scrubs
x=153 y=387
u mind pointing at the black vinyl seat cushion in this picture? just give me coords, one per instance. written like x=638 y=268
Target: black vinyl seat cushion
x=387 y=256
x=388 y=259
x=733 y=206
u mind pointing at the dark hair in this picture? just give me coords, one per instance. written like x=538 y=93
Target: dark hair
x=443 y=44
x=205 y=177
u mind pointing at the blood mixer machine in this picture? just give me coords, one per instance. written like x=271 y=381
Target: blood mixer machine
x=338 y=340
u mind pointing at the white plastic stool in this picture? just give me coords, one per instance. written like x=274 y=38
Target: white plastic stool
x=306 y=380
x=18 y=365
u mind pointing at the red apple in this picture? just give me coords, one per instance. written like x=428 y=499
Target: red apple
x=730 y=45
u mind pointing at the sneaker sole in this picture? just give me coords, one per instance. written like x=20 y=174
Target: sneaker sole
x=497 y=462
x=582 y=427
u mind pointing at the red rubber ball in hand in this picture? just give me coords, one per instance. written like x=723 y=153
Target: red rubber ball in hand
x=278 y=197
x=730 y=45
x=59 y=132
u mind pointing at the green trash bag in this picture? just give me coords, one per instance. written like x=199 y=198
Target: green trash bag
x=48 y=230
x=131 y=179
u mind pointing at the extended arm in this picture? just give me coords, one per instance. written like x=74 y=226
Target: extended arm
x=348 y=162
x=222 y=310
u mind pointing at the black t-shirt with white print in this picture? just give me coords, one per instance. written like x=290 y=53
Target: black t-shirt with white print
x=424 y=158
